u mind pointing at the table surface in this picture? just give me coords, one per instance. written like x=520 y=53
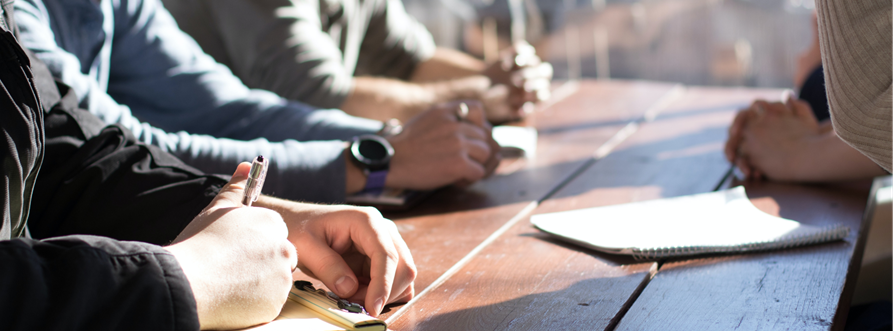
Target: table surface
x=483 y=266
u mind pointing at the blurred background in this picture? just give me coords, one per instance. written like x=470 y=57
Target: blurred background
x=695 y=42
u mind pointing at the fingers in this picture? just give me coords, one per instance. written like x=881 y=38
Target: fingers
x=471 y=170
x=403 y=289
x=392 y=270
x=804 y=112
x=761 y=108
x=734 y=140
x=533 y=77
x=360 y=256
x=475 y=113
x=384 y=260
x=327 y=265
x=494 y=160
x=475 y=143
x=482 y=150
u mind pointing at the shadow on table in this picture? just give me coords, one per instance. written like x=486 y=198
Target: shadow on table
x=609 y=259
x=590 y=304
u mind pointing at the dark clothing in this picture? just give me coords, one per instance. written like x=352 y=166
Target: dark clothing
x=93 y=180
x=874 y=316
x=813 y=92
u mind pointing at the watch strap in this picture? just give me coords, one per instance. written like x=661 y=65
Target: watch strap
x=375 y=181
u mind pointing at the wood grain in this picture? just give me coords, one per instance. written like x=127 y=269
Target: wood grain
x=452 y=222
x=529 y=281
x=803 y=288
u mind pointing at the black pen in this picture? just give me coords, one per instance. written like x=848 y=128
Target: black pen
x=256 y=177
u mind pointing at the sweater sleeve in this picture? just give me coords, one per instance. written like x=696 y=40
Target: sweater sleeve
x=394 y=44
x=856 y=54
x=198 y=110
x=92 y=283
x=277 y=45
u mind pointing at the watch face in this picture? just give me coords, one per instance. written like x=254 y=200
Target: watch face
x=373 y=152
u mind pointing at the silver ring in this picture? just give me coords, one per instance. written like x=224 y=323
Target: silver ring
x=462 y=115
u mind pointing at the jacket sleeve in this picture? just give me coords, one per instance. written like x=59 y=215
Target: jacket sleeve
x=21 y=138
x=92 y=283
x=198 y=110
x=71 y=283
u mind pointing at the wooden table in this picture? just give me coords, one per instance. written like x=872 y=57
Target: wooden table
x=482 y=266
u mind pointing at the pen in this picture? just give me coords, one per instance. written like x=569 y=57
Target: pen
x=256 y=177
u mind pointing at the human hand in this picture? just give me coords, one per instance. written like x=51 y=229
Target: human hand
x=437 y=149
x=774 y=140
x=519 y=79
x=354 y=251
x=237 y=260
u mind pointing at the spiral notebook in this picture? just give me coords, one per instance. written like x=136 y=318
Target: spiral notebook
x=717 y=222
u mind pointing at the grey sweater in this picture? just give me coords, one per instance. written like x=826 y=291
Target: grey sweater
x=307 y=50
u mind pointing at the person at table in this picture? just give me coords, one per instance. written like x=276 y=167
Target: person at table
x=129 y=64
x=786 y=142
x=86 y=209
x=368 y=58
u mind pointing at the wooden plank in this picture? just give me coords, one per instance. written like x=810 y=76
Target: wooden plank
x=527 y=280
x=452 y=222
x=799 y=288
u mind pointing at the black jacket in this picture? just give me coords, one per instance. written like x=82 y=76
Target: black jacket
x=74 y=189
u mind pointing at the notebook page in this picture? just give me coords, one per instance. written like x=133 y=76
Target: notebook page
x=717 y=219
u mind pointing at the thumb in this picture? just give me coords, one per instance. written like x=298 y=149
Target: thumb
x=231 y=194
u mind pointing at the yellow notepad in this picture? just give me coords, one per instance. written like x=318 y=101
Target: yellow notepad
x=309 y=309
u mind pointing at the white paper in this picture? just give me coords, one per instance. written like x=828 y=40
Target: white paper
x=718 y=219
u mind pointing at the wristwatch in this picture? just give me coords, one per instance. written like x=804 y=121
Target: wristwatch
x=373 y=154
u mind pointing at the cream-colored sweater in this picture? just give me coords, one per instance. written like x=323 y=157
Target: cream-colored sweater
x=857 y=51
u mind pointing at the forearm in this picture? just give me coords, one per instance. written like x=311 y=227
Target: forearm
x=447 y=64
x=829 y=159
x=386 y=98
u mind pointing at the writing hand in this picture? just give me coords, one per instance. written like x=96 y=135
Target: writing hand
x=237 y=260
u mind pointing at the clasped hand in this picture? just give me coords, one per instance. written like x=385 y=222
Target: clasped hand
x=437 y=148
x=774 y=139
x=520 y=78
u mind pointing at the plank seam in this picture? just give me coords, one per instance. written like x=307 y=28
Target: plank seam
x=606 y=148
x=655 y=267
